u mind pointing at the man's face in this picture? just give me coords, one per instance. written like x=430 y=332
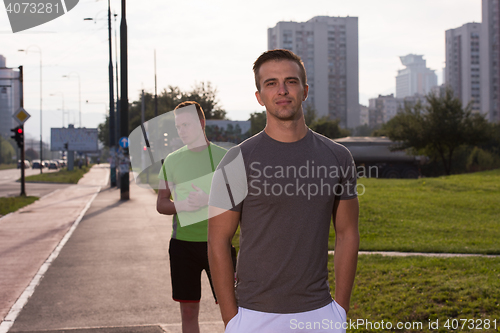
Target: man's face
x=189 y=128
x=281 y=90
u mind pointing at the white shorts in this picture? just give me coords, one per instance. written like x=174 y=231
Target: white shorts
x=330 y=318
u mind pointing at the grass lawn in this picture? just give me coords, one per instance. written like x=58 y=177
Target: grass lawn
x=62 y=176
x=458 y=214
x=11 y=204
x=148 y=177
x=8 y=166
x=419 y=289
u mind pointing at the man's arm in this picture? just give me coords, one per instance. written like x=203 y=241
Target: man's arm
x=221 y=229
x=164 y=205
x=345 y=222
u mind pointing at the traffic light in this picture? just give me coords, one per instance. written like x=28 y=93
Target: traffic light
x=18 y=135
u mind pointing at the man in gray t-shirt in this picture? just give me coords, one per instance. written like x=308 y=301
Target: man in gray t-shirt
x=282 y=187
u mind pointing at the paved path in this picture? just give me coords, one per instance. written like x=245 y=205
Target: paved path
x=28 y=237
x=111 y=275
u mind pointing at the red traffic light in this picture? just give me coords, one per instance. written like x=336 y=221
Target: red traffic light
x=18 y=136
x=145 y=148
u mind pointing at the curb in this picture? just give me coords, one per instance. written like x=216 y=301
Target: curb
x=423 y=254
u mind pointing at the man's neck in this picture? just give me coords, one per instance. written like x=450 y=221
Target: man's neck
x=198 y=145
x=286 y=130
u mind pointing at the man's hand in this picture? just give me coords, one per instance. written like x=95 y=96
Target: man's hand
x=185 y=206
x=197 y=198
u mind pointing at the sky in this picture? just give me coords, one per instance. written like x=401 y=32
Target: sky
x=216 y=41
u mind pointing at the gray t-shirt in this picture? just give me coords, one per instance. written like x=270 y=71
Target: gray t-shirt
x=289 y=191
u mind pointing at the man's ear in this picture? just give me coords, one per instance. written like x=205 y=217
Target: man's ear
x=257 y=94
x=306 y=92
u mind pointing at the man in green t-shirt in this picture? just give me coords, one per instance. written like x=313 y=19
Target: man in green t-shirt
x=185 y=180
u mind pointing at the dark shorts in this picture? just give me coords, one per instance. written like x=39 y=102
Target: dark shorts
x=187 y=261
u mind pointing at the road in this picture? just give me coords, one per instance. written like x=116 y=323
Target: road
x=10 y=187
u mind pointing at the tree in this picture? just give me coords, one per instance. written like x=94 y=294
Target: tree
x=203 y=93
x=329 y=128
x=438 y=128
x=258 y=122
x=206 y=95
x=364 y=130
x=103 y=132
x=7 y=150
x=31 y=154
x=309 y=114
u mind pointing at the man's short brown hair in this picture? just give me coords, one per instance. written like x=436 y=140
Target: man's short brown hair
x=278 y=55
x=199 y=110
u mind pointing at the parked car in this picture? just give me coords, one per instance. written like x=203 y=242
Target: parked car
x=61 y=163
x=53 y=165
x=37 y=165
x=46 y=163
x=27 y=164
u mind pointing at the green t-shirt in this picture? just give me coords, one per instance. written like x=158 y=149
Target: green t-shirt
x=183 y=168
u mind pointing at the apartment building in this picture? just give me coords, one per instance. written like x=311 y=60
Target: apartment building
x=328 y=47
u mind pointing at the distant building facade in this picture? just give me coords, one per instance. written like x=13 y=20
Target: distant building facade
x=364 y=116
x=384 y=108
x=9 y=97
x=416 y=78
x=463 y=73
x=490 y=60
x=328 y=47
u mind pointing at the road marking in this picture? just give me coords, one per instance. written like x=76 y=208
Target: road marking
x=15 y=310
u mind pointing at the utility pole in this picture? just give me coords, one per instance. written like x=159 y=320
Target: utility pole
x=143 y=120
x=117 y=114
x=21 y=90
x=124 y=164
x=156 y=95
x=112 y=143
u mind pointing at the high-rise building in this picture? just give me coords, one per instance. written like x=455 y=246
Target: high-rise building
x=384 y=108
x=416 y=78
x=490 y=60
x=9 y=97
x=463 y=64
x=363 y=115
x=328 y=47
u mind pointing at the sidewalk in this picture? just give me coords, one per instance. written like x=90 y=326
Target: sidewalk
x=112 y=275
x=30 y=235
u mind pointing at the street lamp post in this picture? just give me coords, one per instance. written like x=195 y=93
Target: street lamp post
x=79 y=96
x=62 y=94
x=124 y=164
x=41 y=142
x=112 y=116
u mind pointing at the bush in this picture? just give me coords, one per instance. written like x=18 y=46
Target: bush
x=329 y=128
x=480 y=160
